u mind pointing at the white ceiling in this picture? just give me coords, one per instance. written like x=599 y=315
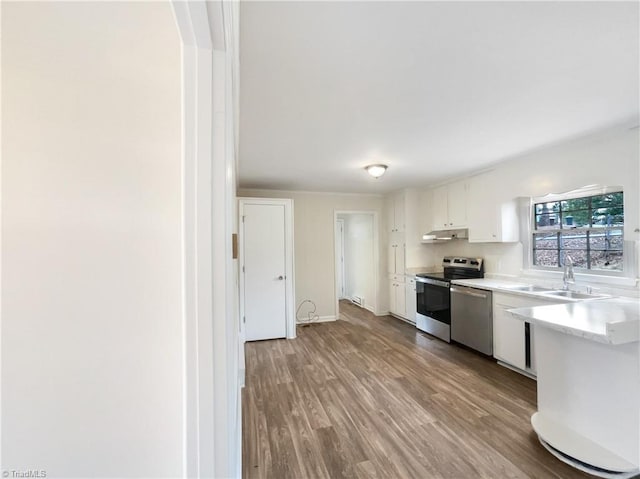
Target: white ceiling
x=433 y=89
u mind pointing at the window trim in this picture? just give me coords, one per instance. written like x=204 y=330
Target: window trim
x=628 y=275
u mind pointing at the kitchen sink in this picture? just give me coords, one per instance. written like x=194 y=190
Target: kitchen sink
x=530 y=287
x=575 y=295
x=555 y=293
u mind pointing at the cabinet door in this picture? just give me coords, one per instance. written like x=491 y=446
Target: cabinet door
x=391 y=214
x=395 y=212
x=508 y=338
x=410 y=294
x=397 y=299
x=399 y=212
x=400 y=258
x=457 y=205
x=401 y=301
x=392 y=296
x=397 y=254
x=439 y=211
x=489 y=219
x=482 y=217
x=392 y=258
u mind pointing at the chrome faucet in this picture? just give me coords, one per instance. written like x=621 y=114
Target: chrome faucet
x=567 y=275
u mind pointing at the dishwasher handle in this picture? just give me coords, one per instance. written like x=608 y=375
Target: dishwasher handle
x=469 y=292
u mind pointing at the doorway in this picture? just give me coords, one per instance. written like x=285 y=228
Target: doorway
x=356 y=259
x=339 y=242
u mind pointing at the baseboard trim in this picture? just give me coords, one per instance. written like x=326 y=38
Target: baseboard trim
x=370 y=309
x=383 y=313
x=408 y=321
x=518 y=370
x=321 y=319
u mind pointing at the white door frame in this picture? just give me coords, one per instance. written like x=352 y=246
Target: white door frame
x=197 y=124
x=289 y=260
x=211 y=414
x=340 y=260
x=376 y=257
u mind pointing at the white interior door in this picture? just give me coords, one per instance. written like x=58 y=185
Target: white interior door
x=264 y=254
x=340 y=258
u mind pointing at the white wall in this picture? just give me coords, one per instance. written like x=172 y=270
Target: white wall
x=607 y=158
x=314 y=243
x=359 y=257
x=91 y=239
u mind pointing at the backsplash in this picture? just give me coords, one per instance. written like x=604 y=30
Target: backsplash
x=500 y=258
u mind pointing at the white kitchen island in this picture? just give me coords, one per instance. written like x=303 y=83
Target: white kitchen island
x=588 y=364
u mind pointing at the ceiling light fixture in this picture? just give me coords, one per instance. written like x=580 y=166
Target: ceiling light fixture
x=376 y=170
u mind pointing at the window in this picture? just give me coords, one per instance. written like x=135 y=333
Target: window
x=587 y=228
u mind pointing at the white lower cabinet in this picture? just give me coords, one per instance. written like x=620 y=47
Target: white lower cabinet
x=514 y=339
x=410 y=293
x=508 y=337
x=397 y=295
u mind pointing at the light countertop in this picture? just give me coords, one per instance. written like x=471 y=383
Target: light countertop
x=510 y=287
x=489 y=284
x=422 y=269
x=504 y=286
x=610 y=321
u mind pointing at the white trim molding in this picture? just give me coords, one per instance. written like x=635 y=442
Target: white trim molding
x=319 y=319
x=376 y=259
x=211 y=347
x=198 y=389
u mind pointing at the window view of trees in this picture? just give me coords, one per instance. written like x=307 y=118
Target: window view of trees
x=589 y=229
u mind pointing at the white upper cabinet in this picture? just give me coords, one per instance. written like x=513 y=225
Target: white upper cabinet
x=449 y=206
x=490 y=220
x=395 y=212
x=439 y=208
x=458 y=204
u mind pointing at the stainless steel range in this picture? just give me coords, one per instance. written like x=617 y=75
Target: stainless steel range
x=434 y=298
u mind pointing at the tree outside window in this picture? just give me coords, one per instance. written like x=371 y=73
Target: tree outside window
x=589 y=229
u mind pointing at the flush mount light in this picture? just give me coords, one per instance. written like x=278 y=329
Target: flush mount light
x=376 y=170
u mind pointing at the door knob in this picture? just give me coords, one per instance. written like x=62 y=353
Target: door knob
x=280 y=278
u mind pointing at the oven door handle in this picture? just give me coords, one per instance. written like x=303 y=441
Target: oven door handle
x=468 y=293
x=435 y=282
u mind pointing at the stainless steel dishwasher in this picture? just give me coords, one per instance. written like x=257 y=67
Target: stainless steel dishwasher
x=472 y=318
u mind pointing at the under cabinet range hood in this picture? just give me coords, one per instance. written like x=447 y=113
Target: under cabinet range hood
x=445 y=235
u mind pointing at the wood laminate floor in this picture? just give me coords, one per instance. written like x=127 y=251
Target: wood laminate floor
x=373 y=397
